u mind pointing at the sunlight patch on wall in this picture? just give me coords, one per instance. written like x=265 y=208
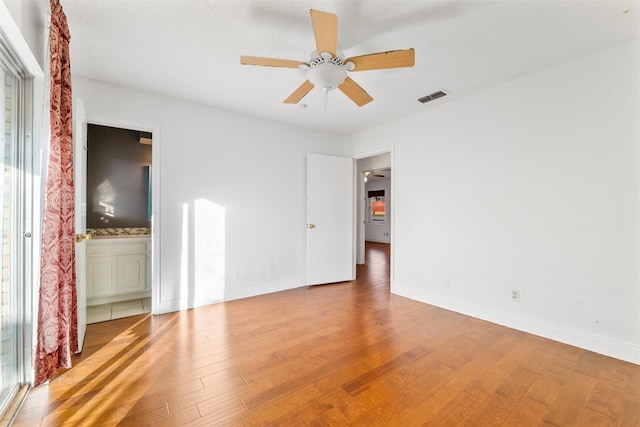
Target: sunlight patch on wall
x=209 y=249
x=184 y=259
x=202 y=260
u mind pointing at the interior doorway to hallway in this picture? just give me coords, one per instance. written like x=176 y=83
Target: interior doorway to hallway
x=374 y=206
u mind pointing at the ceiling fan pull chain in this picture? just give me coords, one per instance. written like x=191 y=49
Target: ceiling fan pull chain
x=326 y=97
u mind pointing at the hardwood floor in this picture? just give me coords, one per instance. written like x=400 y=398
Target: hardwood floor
x=333 y=355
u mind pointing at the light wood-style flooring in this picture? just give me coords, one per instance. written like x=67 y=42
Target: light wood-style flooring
x=333 y=355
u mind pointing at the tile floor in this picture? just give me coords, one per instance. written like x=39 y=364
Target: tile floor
x=118 y=310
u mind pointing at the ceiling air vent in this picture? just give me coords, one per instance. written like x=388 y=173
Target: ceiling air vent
x=434 y=95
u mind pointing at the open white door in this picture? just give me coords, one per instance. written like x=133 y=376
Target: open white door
x=329 y=219
x=80 y=183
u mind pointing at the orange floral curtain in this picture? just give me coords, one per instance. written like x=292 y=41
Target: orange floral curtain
x=57 y=337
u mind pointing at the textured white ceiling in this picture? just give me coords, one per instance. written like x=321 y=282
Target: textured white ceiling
x=190 y=49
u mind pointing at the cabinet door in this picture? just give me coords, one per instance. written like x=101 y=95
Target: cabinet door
x=101 y=276
x=148 y=281
x=132 y=273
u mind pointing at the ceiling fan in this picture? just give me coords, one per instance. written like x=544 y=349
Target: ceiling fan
x=373 y=174
x=327 y=68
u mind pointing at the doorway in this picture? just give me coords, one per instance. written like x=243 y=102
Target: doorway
x=374 y=202
x=119 y=220
x=377 y=205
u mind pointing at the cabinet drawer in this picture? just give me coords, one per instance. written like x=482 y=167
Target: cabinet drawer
x=116 y=248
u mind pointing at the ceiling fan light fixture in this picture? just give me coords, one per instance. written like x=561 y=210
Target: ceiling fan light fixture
x=326 y=75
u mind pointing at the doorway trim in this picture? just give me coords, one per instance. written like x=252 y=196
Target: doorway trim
x=155 y=195
x=359 y=190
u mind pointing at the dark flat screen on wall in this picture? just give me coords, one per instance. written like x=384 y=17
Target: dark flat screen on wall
x=118 y=177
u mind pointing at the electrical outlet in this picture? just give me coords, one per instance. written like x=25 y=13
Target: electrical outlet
x=271 y=270
x=515 y=295
x=446 y=283
x=236 y=274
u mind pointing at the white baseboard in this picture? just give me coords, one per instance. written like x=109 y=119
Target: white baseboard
x=230 y=295
x=599 y=344
x=238 y=293
x=117 y=298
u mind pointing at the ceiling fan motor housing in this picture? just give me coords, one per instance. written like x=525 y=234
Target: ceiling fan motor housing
x=327 y=71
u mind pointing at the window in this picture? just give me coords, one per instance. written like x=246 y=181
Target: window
x=15 y=192
x=376 y=206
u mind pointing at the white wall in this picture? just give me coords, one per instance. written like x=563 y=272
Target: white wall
x=533 y=185
x=375 y=231
x=31 y=17
x=231 y=196
x=378 y=161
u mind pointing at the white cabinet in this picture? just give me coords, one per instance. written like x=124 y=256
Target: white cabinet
x=101 y=275
x=117 y=266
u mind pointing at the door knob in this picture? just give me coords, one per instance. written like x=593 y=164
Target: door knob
x=81 y=237
x=311 y=226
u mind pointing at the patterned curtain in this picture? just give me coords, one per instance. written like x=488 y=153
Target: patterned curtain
x=57 y=338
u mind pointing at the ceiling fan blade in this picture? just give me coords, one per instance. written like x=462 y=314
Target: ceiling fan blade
x=355 y=92
x=299 y=93
x=325 y=30
x=270 y=62
x=378 y=61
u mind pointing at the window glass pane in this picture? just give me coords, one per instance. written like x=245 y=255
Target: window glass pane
x=377 y=209
x=9 y=222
